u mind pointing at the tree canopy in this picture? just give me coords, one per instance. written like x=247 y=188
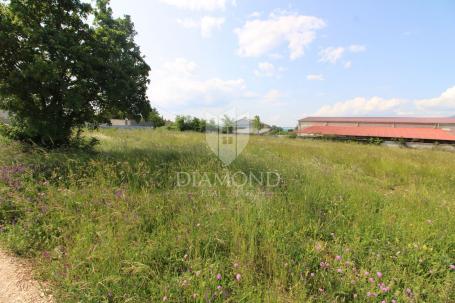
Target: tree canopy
x=184 y=123
x=63 y=64
x=257 y=124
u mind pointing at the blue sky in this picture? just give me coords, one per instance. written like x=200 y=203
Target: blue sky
x=287 y=59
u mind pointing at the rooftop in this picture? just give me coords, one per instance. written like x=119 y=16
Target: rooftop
x=409 y=120
x=381 y=132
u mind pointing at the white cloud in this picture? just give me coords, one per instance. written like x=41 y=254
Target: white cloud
x=347 y=64
x=445 y=102
x=331 y=54
x=258 y=37
x=180 y=67
x=199 y=5
x=443 y=105
x=361 y=106
x=206 y=24
x=357 y=48
x=177 y=83
x=267 y=69
x=254 y=15
x=274 y=97
x=314 y=77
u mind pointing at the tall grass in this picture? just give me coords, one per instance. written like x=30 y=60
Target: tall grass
x=113 y=226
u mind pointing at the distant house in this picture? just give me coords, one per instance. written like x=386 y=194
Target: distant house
x=244 y=123
x=245 y=126
x=412 y=129
x=4 y=117
x=126 y=123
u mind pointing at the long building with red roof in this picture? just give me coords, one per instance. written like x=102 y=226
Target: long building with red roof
x=411 y=129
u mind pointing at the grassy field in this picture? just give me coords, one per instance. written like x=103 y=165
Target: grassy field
x=347 y=222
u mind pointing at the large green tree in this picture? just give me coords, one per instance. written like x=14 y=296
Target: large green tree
x=64 y=63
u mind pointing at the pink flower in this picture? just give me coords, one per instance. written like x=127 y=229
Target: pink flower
x=119 y=193
x=219 y=287
x=385 y=289
x=236 y=265
x=238 y=277
x=379 y=274
x=383 y=301
x=164 y=298
x=324 y=265
x=338 y=258
x=394 y=301
x=371 y=294
x=452 y=266
x=318 y=247
x=321 y=290
x=366 y=273
x=339 y=270
x=371 y=280
x=409 y=292
x=218 y=277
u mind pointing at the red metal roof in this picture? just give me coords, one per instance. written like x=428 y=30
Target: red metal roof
x=381 y=120
x=381 y=132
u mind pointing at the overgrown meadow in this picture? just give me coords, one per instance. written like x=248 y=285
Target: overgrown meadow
x=346 y=223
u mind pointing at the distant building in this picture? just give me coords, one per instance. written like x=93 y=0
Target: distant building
x=126 y=123
x=4 y=116
x=245 y=126
x=244 y=123
x=412 y=129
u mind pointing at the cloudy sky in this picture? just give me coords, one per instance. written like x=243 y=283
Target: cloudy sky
x=285 y=59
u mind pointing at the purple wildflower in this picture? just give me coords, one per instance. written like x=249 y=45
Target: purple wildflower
x=119 y=193
x=324 y=265
x=408 y=292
